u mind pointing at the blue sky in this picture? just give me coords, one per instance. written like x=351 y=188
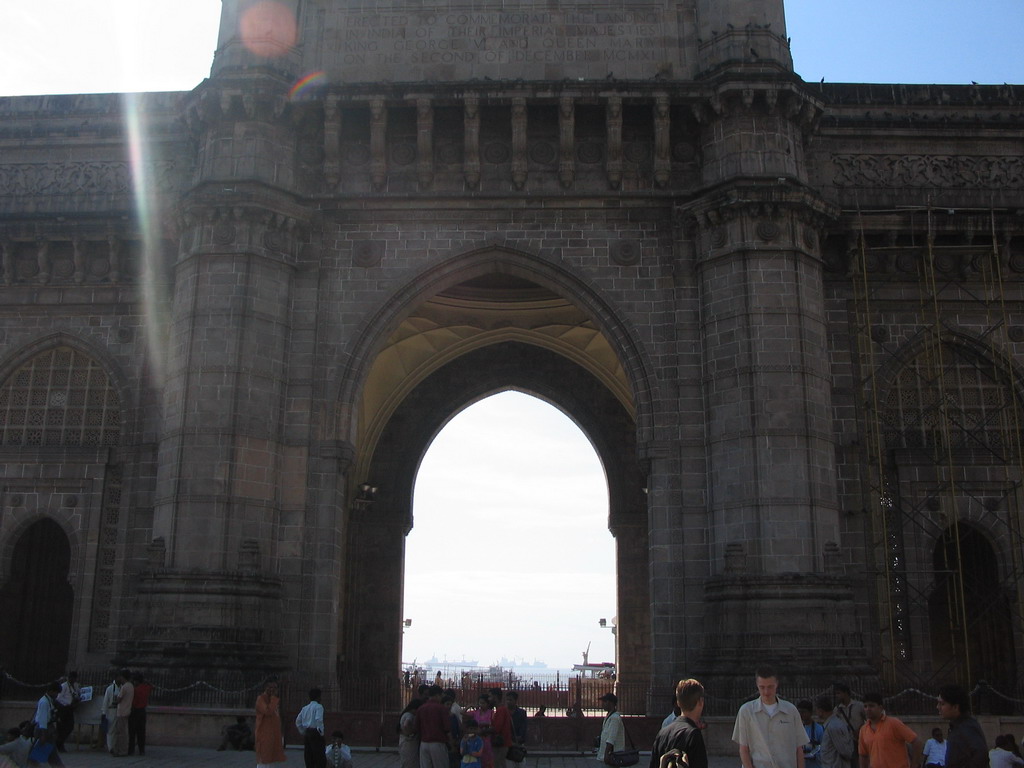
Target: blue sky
x=510 y=554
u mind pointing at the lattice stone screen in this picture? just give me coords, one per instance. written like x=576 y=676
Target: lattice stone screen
x=961 y=399
x=60 y=398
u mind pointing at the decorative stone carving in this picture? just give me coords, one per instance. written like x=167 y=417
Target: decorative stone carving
x=735 y=558
x=378 y=143
x=425 y=142
x=80 y=178
x=497 y=152
x=613 y=121
x=566 y=139
x=43 y=261
x=471 y=149
x=626 y=253
x=943 y=171
x=249 y=555
x=519 y=142
x=156 y=553
x=590 y=152
x=367 y=253
x=543 y=152
x=767 y=230
x=332 y=141
x=662 y=150
x=403 y=153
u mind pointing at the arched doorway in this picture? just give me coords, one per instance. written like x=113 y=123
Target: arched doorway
x=376 y=536
x=510 y=563
x=36 y=603
x=969 y=611
x=481 y=323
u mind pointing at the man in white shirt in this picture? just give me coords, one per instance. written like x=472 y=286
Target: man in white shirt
x=310 y=723
x=45 y=720
x=613 y=733
x=769 y=730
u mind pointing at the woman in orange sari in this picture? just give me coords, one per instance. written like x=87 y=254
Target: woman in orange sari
x=269 y=745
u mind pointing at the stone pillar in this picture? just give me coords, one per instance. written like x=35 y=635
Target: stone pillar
x=214 y=596
x=772 y=597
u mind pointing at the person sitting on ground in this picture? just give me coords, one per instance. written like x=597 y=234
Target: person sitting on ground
x=237 y=736
x=14 y=752
x=339 y=755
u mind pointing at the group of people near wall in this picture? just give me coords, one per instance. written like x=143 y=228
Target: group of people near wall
x=434 y=731
x=268 y=738
x=41 y=740
x=829 y=732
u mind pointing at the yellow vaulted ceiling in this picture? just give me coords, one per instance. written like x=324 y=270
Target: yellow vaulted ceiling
x=484 y=311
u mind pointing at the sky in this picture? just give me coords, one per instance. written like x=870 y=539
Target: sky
x=510 y=554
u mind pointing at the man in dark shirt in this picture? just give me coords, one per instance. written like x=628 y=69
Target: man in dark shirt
x=683 y=733
x=519 y=722
x=434 y=725
x=966 y=747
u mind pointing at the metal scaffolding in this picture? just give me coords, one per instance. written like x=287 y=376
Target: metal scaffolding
x=940 y=418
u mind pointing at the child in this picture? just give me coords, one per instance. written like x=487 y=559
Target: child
x=472 y=746
x=338 y=753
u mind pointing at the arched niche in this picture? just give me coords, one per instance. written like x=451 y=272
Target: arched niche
x=36 y=602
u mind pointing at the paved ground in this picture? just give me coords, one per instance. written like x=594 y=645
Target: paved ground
x=182 y=757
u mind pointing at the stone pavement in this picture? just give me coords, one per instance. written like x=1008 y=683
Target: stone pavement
x=186 y=757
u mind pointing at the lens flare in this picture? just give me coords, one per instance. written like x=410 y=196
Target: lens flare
x=268 y=29
x=146 y=199
x=307 y=85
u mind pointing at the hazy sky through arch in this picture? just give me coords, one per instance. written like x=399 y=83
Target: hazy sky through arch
x=510 y=553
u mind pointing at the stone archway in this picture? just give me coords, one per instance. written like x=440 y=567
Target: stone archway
x=376 y=535
x=969 y=610
x=37 y=603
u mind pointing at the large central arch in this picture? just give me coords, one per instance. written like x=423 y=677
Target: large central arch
x=496 y=311
x=376 y=537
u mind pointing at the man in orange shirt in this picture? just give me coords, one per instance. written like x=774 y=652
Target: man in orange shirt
x=883 y=740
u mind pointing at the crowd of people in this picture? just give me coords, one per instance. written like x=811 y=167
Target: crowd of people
x=268 y=739
x=434 y=731
x=122 y=726
x=830 y=732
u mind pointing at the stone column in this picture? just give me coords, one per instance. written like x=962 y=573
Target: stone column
x=771 y=487
x=214 y=595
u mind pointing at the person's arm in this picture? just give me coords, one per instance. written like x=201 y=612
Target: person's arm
x=800 y=756
x=608 y=749
x=745 y=756
x=915 y=753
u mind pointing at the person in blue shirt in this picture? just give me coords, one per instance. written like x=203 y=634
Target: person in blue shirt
x=472 y=745
x=815 y=732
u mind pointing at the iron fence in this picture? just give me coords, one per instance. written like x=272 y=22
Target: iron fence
x=559 y=696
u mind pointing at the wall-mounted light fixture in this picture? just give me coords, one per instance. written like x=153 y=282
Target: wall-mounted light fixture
x=366 y=496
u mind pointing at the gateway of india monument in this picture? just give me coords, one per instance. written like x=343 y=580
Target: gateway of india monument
x=787 y=315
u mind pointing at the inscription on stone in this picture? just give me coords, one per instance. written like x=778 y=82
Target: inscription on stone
x=529 y=42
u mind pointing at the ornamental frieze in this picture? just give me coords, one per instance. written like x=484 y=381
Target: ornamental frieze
x=80 y=178
x=955 y=171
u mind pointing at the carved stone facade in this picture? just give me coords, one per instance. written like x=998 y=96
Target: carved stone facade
x=788 y=316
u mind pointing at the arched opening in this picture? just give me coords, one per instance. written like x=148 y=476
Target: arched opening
x=36 y=603
x=969 y=611
x=510 y=565
x=377 y=532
